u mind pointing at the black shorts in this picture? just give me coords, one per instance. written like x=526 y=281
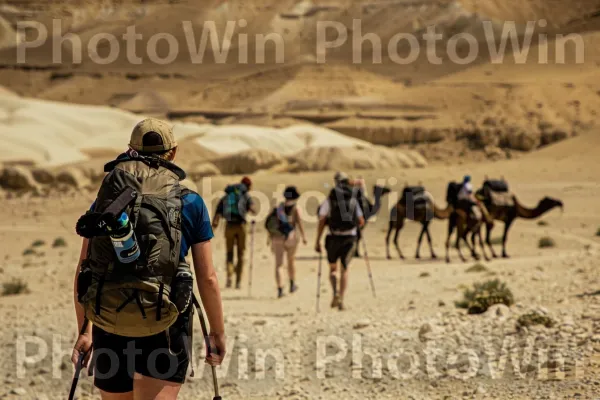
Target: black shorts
x=340 y=248
x=117 y=358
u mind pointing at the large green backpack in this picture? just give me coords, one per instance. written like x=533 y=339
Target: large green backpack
x=136 y=299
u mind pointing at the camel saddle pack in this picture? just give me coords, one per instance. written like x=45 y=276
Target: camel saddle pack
x=415 y=196
x=496 y=193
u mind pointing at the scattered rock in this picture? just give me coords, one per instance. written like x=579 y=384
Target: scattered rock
x=361 y=324
x=19 y=392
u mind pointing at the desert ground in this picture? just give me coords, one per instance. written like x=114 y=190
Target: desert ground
x=297 y=122
x=413 y=312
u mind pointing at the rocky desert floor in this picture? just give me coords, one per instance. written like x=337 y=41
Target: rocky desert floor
x=410 y=342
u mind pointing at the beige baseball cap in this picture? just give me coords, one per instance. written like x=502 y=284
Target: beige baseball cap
x=341 y=176
x=152 y=136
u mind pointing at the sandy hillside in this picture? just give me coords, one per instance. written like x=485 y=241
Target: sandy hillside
x=413 y=311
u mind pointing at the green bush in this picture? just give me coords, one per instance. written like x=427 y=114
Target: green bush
x=483 y=295
x=546 y=243
x=14 y=287
x=38 y=243
x=29 y=252
x=535 y=318
x=542 y=223
x=424 y=275
x=477 y=268
x=59 y=242
x=598 y=232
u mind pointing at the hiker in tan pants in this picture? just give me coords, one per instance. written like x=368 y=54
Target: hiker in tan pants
x=234 y=207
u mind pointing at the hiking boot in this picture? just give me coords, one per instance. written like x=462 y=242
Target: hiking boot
x=228 y=284
x=293 y=288
x=335 y=302
x=279 y=293
x=238 y=285
x=341 y=306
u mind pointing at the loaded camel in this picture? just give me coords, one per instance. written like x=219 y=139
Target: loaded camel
x=466 y=218
x=415 y=205
x=509 y=211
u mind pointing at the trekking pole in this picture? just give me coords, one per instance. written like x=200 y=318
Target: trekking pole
x=319 y=283
x=251 y=258
x=79 y=365
x=368 y=266
x=209 y=349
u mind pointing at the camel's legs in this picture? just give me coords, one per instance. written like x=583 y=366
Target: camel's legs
x=461 y=234
x=505 y=236
x=488 y=240
x=387 y=239
x=433 y=255
x=482 y=245
x=399 y=226
x=451 y=224
x=423 y=227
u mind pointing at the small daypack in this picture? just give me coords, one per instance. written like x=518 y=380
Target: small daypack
x=342 y=212
x=232 y=199
x=278 y=223
x=138 y=299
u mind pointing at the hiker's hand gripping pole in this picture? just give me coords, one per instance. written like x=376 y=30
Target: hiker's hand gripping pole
x=209 y=347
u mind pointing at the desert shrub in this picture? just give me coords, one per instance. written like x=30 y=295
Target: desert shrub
x=38 y=243
x=534 y=318
x=483 y=295
x=598 y=232
x=29 y=252
x=59 y=242
x=542 y=223
x=14 y=287
x=476 y=268
x=546 y=242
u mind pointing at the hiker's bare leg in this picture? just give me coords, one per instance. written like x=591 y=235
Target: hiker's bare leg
x=333 y=278
x=344 y=283
x=291 y=260
x=145 y=388
x=277 y=247
x=116 y=396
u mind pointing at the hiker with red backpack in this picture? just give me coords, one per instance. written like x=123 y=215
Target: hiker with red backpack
x=133 y=287
x=234 y=208
x=281 y=227
x=343 y=214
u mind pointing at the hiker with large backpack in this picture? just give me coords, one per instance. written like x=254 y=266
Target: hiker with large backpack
x=234 y=208
x=133 y=287
x=344 y=216
x=281 y=227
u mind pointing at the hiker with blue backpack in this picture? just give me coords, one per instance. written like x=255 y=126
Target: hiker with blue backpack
x=234 y=208
x=282 y=225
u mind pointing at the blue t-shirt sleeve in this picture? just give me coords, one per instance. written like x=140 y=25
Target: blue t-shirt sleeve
x=196 y=227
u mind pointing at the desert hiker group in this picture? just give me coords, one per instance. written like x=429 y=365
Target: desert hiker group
x=134 y=287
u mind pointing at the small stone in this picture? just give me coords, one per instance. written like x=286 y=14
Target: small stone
x=19 y=392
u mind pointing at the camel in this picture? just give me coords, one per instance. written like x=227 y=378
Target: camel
x=465 y=223
x=423 y=214
x=508 y=214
